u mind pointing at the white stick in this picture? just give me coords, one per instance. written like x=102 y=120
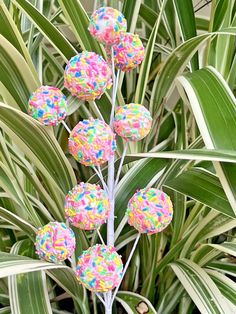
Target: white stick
x=125 y=268
x=101 y=299
x=66 y=126
x=100 y=236
x=121 y=163
x=113 y=89
x=101 y=178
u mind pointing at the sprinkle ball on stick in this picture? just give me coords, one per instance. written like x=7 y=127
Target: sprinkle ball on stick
x=87 y=206
x=132 y=122
x=92 y=142
x=55 y=242
x=87 y=76
x=99 y=268
x=48 y=105
x=108 y=25
x=150 y=211
x=128 y=53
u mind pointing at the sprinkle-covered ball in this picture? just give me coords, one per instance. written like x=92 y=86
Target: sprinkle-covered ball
x=92 y=142
x=87 y=76
x=48 y=105
x=128 y=53
x=150 y=211
x=132 y=122
x=55 y=242
x=87 y=206
x=108 y=25
x=99 y=268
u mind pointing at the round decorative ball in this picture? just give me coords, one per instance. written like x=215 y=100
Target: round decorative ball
x=99 y=268
x=128 y=53
x=150 y=211
x=87 y=206
x=87 y=76
x=48 y=105
x=132 y=122
x=55 y=242
x=92 y=142
x=108 y=25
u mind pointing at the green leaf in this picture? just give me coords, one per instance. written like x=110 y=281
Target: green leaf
x=226 y=247
x=185 y=14
x=176 y=63
x=206 y=91
x=130 y=10
x=79 y=22
x=17 y=221
x=189 y=154
x=200 y=287
x=203 y=187
x=11 y=264
x=39 y=145
x=55 y=37
x=146 y=64
x=31 y=286
x=134 y=303
x=16 y=75
x=226 y=286
x=12 y=34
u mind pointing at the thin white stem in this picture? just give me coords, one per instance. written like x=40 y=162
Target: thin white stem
x=113 y=88
x=101 y=178
x=100 y=236
x=66 y=126
x=101 y=299
x=125 y=268
x=121 y=163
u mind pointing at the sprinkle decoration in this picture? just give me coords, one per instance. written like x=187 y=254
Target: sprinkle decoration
x=55 y=242
x=99 y=268
x=128 y=53
x=108 y=25
x=150 y=211
x=87 y=76
x=48 y=105
x=87 y=206
x=92 y=142
x=132 y=122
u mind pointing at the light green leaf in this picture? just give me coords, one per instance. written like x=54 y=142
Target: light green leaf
x=204 y=187
x=213 y=105
x=32 y=286
x=62 y=45
x=200 y=287
x=134 y=303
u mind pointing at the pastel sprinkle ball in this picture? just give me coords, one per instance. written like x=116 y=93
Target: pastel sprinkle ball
x=108 y=25
x=128 y=53
x=92 y=142
x=87 y=76
x=87 y=206
x=99 y=268
x=55 y=242
x=132 y=122
x=150 y=211
x=48 y=105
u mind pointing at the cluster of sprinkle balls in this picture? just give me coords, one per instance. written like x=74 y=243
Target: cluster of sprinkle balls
x=132 y=122
x=87 y=206
x=55 y=242
x=48 y=105
x=150 y=211
x=99 y=268
x=108 y=25
x=87 y=76
x=128 y=53
x=92 y=142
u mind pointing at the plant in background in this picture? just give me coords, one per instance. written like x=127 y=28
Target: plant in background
x=189 y=153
